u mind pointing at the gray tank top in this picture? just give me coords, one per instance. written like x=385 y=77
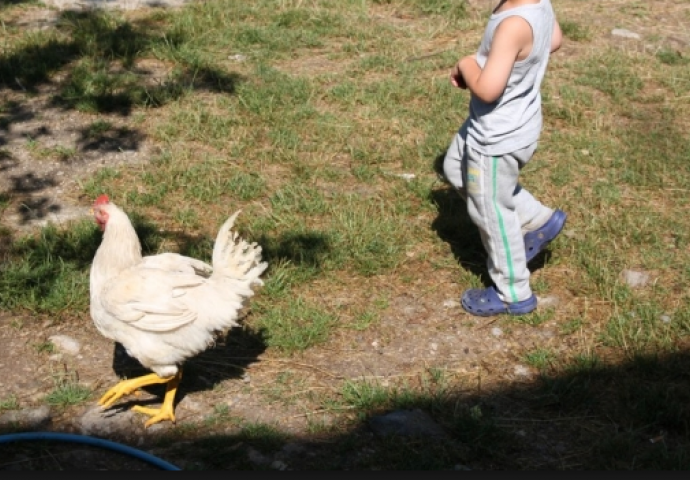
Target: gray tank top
x=513 y=121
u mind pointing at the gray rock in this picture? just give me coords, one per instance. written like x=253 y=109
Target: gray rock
x=30 y=418
x=257 y=458
x=522 y=371
x=634 y=278
x=279 y=465
x=548 y=301
x=622 y=32
x=65 y=344
x=97 y=421
x=452 y=303
x=191 y=404
x=157 y=428
x=406 y=423
x=293 y=448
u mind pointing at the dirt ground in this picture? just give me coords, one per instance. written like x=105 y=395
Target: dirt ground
x=44 y=189
x=419 y=331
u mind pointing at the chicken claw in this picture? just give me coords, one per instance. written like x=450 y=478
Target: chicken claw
x=167 y=410
x=125 y=387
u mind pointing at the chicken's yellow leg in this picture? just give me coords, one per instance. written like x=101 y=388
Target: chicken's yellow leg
x=167 y=410
x=125 y=387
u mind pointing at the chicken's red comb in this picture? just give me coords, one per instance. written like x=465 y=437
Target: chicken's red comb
x=102 y=200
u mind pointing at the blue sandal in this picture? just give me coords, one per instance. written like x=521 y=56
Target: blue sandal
x=537 y=240
x=485 y=302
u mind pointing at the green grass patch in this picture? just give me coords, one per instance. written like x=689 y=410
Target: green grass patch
x=325 y=122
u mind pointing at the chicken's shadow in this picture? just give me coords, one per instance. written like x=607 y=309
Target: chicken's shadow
x=231 y=353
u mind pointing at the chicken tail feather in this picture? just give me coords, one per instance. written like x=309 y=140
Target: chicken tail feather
x=236 y=258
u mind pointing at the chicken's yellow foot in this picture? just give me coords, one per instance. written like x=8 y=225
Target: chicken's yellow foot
x=167 y=410
x=125 y=387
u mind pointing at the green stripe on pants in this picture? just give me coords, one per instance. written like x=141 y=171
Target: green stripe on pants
x=504 y=237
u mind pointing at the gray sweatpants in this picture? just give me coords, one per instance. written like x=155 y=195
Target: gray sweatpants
x=499 y=206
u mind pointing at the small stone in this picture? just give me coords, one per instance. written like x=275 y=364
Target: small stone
x=622 y=32
x=156 y=428
x=496 y=332
x=293 y=448
x=451 y=304
x=279 y=465
x=634 y=278
x=106 y=422
x=406 y=423
x=190 y=404
x=30 y=418
x=666 y=318
x=257 y=457
x=65 y=344
x=549 y=301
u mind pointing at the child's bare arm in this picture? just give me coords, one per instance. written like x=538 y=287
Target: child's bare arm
x=556 y=37
x=511 y=37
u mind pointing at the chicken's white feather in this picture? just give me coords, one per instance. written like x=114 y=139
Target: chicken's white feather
x=165 y=308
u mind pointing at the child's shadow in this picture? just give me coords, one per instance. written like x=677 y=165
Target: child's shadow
x=454 y=226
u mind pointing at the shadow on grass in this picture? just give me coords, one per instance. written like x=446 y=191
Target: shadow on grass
x=454 y=226
x=632 y=416
x=5 y=4
x=93 y=63
x=100 y=58
x=581 y=414
x=589 y=416
x=231 y=353
x=307 y=249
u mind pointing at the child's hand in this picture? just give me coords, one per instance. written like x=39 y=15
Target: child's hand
x=456 y=77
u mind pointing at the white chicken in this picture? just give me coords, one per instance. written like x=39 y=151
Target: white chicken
x=165 y=308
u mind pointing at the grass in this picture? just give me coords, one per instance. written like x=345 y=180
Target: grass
x=9 y=402
x=540 y=358
x=45 y=347
x=324 y=121
x=67 y=391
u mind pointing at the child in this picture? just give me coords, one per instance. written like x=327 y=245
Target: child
x=496 y=141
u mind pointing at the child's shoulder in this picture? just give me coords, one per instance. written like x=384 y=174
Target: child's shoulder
x=514 y=26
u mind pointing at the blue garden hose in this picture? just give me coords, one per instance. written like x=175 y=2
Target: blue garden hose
x=93 y=441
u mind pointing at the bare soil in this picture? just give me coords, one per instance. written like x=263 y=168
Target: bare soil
x=423 y=328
